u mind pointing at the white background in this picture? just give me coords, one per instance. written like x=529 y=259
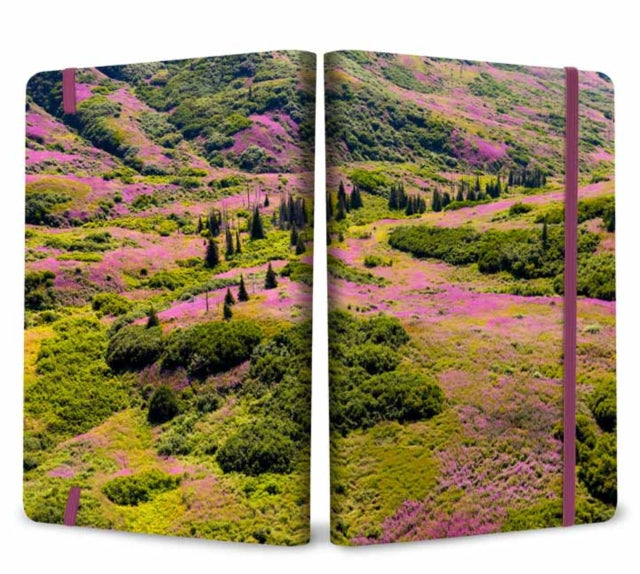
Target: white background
x=49 y=35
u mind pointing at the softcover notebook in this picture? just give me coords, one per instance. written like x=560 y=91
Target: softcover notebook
x=451 y=349
x=169 y=212
x=471 y=276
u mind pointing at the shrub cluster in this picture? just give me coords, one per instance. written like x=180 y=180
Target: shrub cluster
x=365 y=385
x=141 y=487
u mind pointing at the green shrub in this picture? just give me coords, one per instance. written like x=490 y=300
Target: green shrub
x=365 y=387
x=602 y=403
x=74 y=389
x=39 y=293
x=375 y=359
x=163 y=405
x=173 y=444
x=371 y=261
x=598 y=470
x=110 y=304
x=341 y=270
x=597 y=276
x=258 y=447
x=134 y=347
x=519 y=208
x=211 y=348
x=137 y=488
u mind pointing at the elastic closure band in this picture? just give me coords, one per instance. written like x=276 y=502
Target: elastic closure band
x=69 y=90
x=570 y=296
x=73 y=502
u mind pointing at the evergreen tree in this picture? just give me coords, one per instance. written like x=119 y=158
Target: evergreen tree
x=342 y=196
x=460 y=194
x=545 y=235
x=446 y=199
x=238 y=243
x=436 y=201
x=227 y=313
x=257 y=231
x=293 y=236
x=242 y=291
x=342 y=209
x=477 y=187
x=213 y=223
x=393 y=197
x=410 y=208
x=610 y=220
x=200 y=226
x=329 y=206
x=229 y=242
x=270 y=280
x=355 y=199
x=228 y=298
x=212 y=257
x=266 y=200
x=152 y=318
x=300 y=246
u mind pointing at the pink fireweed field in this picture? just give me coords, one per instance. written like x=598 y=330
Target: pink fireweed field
x=166 y=271
x=490 y=458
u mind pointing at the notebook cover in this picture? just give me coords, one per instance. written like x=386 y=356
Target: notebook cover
x=169 y=237
x=445 y=201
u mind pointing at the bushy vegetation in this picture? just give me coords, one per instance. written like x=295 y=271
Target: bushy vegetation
x=163 y=405
x=110 y=304
x=138 y=488
x=366 y=386
x=134 y=347
x=39 y=292
x=523 y=253
x=256 y=448
x=75 y=390
x=341 y=270
x=210 y=348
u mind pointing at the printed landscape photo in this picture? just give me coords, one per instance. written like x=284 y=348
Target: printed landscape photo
x=169 y=247
x=446 y=257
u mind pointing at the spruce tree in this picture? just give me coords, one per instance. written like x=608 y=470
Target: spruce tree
x=436 y=201
x=227 y=313
x=355 y=199
x=460 y=194
x=300 y=246
x=266 y=200
x=477 y=186
x=293 y=236
x=229 y=242
x=213 y=223
x=200 y=226
x=238 y=243
x=329 y=206
x=152 y=318
x=446 y=199
x=228 y=298
x=545 y=235
x=242 y=291
x=257 y=231
x=342 y=209
x=212 y=257
x=270 y=280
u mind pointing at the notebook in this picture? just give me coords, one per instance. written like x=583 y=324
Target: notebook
x=450 y=350
x=169 y=246
x=471 y=273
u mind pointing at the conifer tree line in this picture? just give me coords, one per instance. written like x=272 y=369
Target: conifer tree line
x=345 y=202
x=400 y=200
x=525 y=177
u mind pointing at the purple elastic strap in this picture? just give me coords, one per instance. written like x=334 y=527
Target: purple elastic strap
x=73 y=502
x=570 y=297
x=69 y=90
